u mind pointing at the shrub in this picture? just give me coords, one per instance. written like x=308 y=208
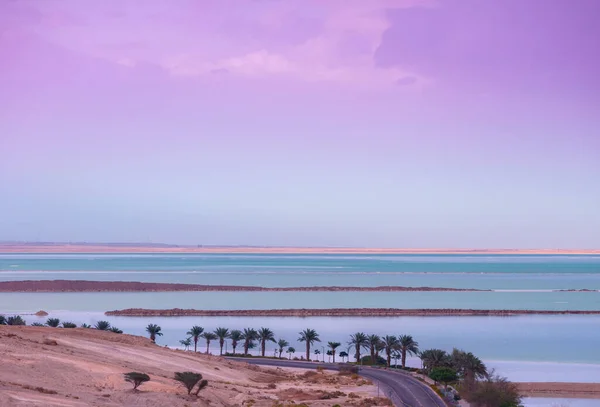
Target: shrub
x=37 y=324
x=15 y=320
x=366 y=360
x=136 y=378
x=189 y=380
x=494 y=392
x=348 y=370
x=2 y=320
x=443 y=375
x=53 y=322
x=86 y=326
x=115 y=330
x=102 y=325
x=69 y=325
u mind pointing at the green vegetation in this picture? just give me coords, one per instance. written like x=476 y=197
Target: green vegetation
x=343 y=355
x=309 y=336
x=222 y=334
x=390 y=343
x=333 y=346
x=15 y=320
x=136 y=378
x=264 y=335
x=208 y=336
x=69 y=325
x=115 y=330
x=249 y=336
x=2 y=320
x=407 y=345
x=291 y=350
x=195 y=333
x=444 y=375
x=495 y=391
x=358 y=340
x=282 y=343
x=235 y=336
x=53 y=322
x=372 y=344
x=38 y=324
x=154 y=331
x=187 y=342
x=189 y=380
x=86 y=326
x=102 y=325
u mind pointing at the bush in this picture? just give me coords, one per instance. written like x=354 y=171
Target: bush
x=136 y=378
x=53 y=322
x=37 y=324
x=69 y=325
x=2 y=320
x=366 y=360
x=189 y=380
x=443 y=375
x=348 y=370
x=15 y=320
x=115 y=330
x=494 y=392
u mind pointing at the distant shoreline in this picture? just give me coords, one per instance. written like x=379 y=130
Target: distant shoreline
x=158 y=248
x=334 y=312
x=38 y=286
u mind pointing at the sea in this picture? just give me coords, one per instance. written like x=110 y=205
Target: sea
x=522 y=348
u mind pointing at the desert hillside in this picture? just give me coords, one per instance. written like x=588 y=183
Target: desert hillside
x=84 y=367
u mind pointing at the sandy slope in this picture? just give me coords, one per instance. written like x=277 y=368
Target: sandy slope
x=85 y=368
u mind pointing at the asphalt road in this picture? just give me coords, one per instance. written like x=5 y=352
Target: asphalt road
x=403 y=389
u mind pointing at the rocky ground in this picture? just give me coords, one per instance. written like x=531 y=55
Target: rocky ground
x=83 y=367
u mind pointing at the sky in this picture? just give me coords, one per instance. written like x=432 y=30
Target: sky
x=380 y=123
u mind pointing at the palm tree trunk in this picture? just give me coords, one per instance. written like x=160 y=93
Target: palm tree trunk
x=262 y=348
x=195 y=344
x=357 y=355
x=389 y=359
x=307 y=350
x=403 y=358
x=234 y=346
x=152 y=338
x=333 y=353
x=372 y=355
x=221 y=343
x=207 y=346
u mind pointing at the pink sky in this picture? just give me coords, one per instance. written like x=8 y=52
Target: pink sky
x=396 y=123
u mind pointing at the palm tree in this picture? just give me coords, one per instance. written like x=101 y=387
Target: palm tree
x=236 y=336
x=264 y=335
x=390 y=343
x=310 y=336
x=209 y=336
x=291 y=351
x=343 y=355
x=15 y=320
x=333 y=346
x=249 y=336
x=222 y=334
x=282 y=343
x=408 y=345
x=372 y=343
x=195 y=333
x=468 y=366
x=432 y=358
x=358 y=340
x=154 y=331
x=53 y=322
x=102 y=325
x=317 y=353
x=187 y=342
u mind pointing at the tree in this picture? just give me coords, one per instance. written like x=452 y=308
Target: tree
x=329 y=353
x=2 y=320
x=333 y=346
x=115 y=330
x=136 y=378
x=407 y=345
x=187 y=342
x=317 y=353
x=102 y=325
x=195 y=333
x=249 y=336
x=15 y=320
x=495 y=391
x=209 y=336
x=343 y=355
x=222 y=334
x=469 y=367
x=309 y=336
x=282 y=343
x=372 y=342
x=53 y=322
x=443 y=375
x=358 y=340
x=291 y=351
x=236 y=336
x=390 y=343
x=154 y=331
x=433 y=358
x=189 y=380
x=264 y=335
x=69 y=325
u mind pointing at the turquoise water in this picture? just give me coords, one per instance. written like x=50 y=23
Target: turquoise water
x=513 y=272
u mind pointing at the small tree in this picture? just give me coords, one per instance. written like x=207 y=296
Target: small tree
x=154 y=331
x=291 y=351
x=38 y=324
x=53 y=322
x=115 y=330
x=69 y=325
x=136 y=378
x=343 y=355
x=102 y=325
x=443 y=375
x=186 y=343
x=189 y=380
x=209 y=336
x=282 y=343
x=2 y=320
x=15 y=320
x=84 y=325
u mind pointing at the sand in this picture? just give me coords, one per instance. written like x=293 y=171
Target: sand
x=84 y=367
x=560 y=390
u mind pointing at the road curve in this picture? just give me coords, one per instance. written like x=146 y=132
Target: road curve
x=401 y=388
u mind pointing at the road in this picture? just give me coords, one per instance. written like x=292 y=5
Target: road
x=401 y=388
